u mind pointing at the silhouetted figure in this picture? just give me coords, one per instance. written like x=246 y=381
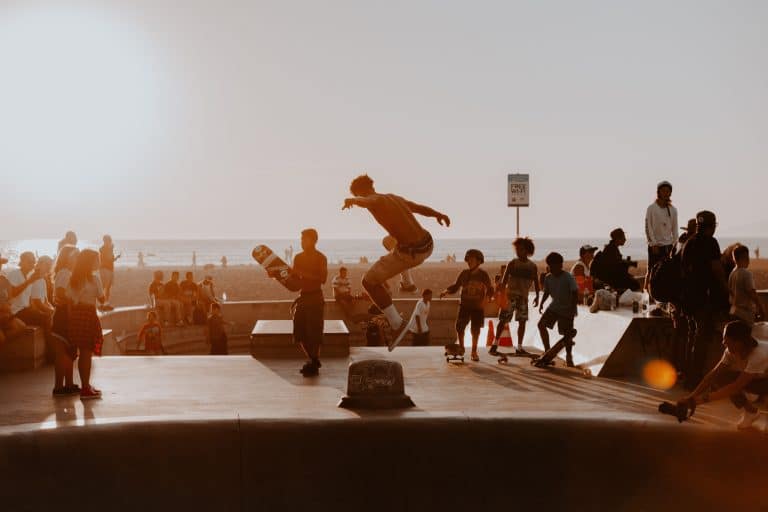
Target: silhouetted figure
x=611 y=268
x=107 y=267
x=70 y=238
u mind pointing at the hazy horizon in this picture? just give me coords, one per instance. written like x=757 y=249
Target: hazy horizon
x=240 y=120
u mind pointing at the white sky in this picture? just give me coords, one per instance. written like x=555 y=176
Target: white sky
x=154 y=119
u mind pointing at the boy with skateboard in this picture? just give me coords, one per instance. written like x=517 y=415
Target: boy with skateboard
x=520 y=273
x=475 y=285
x=414 y=245
x=562 y=287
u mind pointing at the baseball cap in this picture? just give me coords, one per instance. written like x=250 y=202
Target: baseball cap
x=706 y=218
x=586 y=248
x=664 y=183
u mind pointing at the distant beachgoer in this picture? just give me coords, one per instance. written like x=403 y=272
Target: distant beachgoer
x=406 y=280
x=151 y=335
x=689 y=231
x=66 y=350
x=189 y=292
x=84 y=292
x=757 y=253
x=745 y=303
x=310 y=267
x=660 y=227
x=581 y=272
x=475 y=286
x=194 y=259
x=704 y=294
x=342 y=288
x=70 y=238
x=223 y=262
x=742 y=369
x=107 y=269
x=140 y=258
x=419 y=327
x=216 y=335
x=414 y=244
x=172 y=296
x=611 y=268
x=562 y=287
x=518 y=277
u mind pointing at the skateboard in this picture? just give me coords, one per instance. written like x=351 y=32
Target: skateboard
x=548 y=357
x=454 y=353
x=277 y=269
x=396 y=342
x=504 y=356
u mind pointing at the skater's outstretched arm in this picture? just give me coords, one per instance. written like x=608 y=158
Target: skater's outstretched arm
x=426 y=211
x=362 y=202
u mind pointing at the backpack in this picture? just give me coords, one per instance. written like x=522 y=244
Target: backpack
x=666 y=280
x=597 y=267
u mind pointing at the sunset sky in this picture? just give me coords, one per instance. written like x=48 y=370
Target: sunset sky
x=159 y=119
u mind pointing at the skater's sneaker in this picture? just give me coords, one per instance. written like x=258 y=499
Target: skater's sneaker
x=59 y=392
x=395 y=336
x=494 y=351
x=310 y=369
x=747 y=419
x=520 y=351
x=90 y=393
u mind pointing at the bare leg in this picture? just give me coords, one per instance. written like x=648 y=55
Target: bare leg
x=84 y=366
x=475 y=339
x=378 y=294
x=520 y=333
x=544 y=333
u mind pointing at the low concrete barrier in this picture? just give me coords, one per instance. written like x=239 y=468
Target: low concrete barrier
x=23 y=352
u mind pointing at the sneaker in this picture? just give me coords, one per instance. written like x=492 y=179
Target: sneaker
x=59 y=392
x=395 y=336
x=494 y=350
x=310 y=369
x=747 y=419
x=90 y=393
x=74 y=389
x=520 y=351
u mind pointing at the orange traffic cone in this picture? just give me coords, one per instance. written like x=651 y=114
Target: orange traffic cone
x=505 y=340
x=491 y=336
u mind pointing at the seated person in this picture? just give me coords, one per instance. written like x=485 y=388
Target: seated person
x=742 y=369
x=342 y=289
x=580 y=271
x=188 y=296
x=172 y=295
x=10 y=326
x=206 y=294
x=611 y=269
x=157 y=297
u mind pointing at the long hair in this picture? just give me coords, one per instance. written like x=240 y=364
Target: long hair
x=84 y=267
x=64 y=258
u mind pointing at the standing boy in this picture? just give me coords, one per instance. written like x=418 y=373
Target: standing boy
x=561 y=286
x=475 y=285
x=414 y=245
x=419 y=327
x=520 y=273
x=741 y=288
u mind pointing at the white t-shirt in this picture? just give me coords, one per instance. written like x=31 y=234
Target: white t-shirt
x=661 y=225
x=756 y=362
x=38 y=290
x=21 y=301
x=89 y=293
x=341 y=285
x=422 y=312
x=740 y=285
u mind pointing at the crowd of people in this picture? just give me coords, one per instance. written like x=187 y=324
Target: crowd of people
x=714 y=293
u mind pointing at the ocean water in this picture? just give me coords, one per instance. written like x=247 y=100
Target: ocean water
x=238 y=252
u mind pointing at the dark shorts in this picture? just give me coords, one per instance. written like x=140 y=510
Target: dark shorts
x=308 y=321
x=472 y=317
x=420 y=339
x=564 y=323
x=663 y=253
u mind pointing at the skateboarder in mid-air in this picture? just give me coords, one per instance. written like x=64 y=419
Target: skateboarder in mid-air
x=310 y=269
x=414 y=245
x=562 y=287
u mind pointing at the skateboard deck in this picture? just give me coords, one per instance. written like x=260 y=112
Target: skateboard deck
x=391 y=346
x=454 y=353
x=279 y=270
x=503 y=357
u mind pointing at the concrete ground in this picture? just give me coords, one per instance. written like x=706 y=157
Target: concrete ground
x=235 y=433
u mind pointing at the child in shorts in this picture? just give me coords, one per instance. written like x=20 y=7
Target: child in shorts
x=562 y=287
x=475 y=285
x=520 y=273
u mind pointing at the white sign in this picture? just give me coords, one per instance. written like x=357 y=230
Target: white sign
x=518 y=190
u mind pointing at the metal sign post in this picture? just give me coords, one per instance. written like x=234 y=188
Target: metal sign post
x=518 y=194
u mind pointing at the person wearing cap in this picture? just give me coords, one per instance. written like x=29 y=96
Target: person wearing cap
x=689 y=231
x=611 y=268
x=704 y=297
x=581 y=272
x=475 y=285
x=742 y=369
x=661 y=227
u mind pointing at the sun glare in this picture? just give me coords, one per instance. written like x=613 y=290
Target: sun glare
x=80 y=91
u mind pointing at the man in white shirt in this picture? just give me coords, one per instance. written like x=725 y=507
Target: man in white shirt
x=419 y=327
x=661 y=227
x=743 y=369
x=21 y=280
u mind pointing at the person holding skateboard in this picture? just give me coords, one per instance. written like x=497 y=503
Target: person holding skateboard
x=475 y=285
x=518 y=276
x=414 y=245
x=562 y=287
x=309 y=274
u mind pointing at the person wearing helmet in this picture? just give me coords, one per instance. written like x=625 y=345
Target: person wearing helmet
x=475 y=285
x=661 y=227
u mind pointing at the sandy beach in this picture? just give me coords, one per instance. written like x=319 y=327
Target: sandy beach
x=250 y=282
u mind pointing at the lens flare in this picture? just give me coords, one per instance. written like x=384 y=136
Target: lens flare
x=659 y=374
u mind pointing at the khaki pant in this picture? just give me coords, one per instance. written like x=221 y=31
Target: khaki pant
x=394 y=263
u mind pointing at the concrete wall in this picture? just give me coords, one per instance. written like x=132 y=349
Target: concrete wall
x=24 y=352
